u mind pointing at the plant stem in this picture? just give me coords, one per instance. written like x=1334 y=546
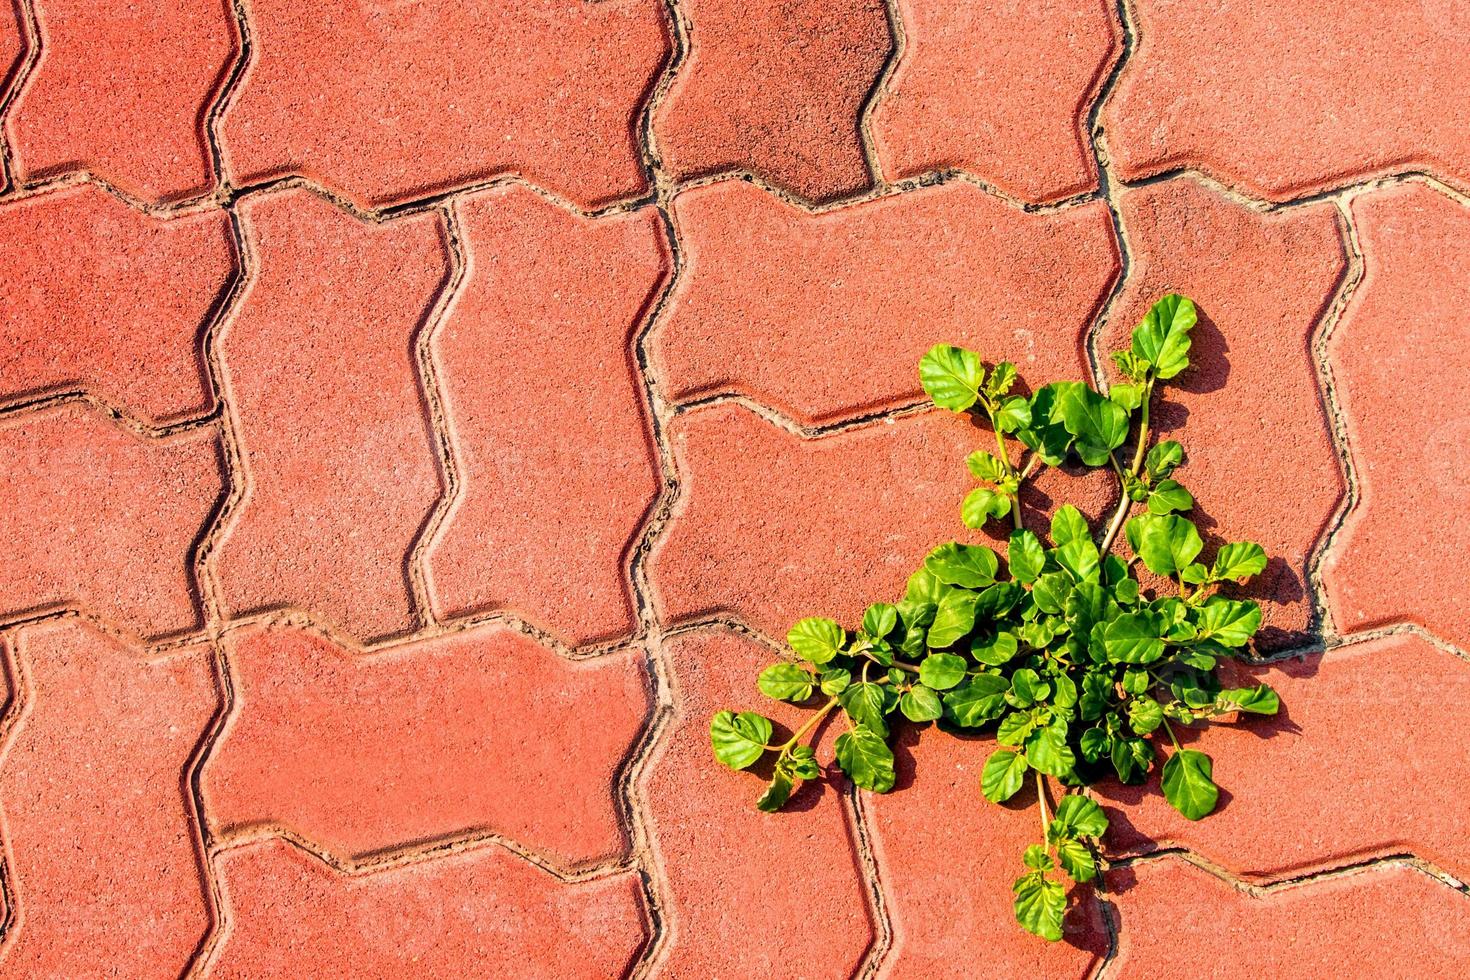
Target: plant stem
x=1170 y=732
x=1125 y=503
x=810 y=724
x=911 y=668
x=1041 y=799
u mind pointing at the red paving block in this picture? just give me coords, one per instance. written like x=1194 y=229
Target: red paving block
x=1000 y=90
x=1261 y=463
x=826 y=316
x=389 y=101
x=1177 y=920
x=12 y=52
x=738 y=879
x=98 y=518
x=481 y=913
x=102 y=866
x=1399 y=358
x=947 y=858
x=1280 y=775
x=484 y=730
x=771 y=527
x=1283 y=98
x=121 y=90
x=775 y=88
x=551 y=438
x=335 y=435
x=100 y=297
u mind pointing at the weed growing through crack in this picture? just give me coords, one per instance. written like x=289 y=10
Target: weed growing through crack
x=1074 y=666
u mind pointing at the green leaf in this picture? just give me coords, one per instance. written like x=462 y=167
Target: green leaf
x=1097 y=688
x=942 y=671
x=1187 y=783
x=1068 y=524
x=1051 y=591
x=801 y=763
x=997 y=650
x=1168 y=544
x=1077 y=860
x=985 y=466
x=1162 y=339
x=1229 y=621
x=1078 y=816
x=1098 y=424
x=880 y=619
x=981 y=504
x=1003 y=775
x=920 y=703
x=1014 y=414
x=980 y=700
x=785 y=682
x=1144 y=714
x=1047 y=750
x=1133 y=638
x=924 y=587
x=1126 y=397
x=1260 y=700
x=1132 y=758
x=1163 y=458
x=954 y=618
x=1036 y=858
x=777 y=793
x=1194 y=574
x=1025 y=556
x=952 y=376
x=1045 y=435
x=1014 y=728
x=866 y=759
x=1027 y=688
x=1239 y=561
x=1002 y=376
x=865 y=704
x=1080 y=559
x=997 y=600
x=739 y=740
x=817 y=639
x=1167 y=496
x=1040 y=903
x=971 y=565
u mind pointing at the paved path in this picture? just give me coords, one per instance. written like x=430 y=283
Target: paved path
x=417 y=417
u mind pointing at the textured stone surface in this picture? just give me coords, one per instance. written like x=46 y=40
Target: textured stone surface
x=542 y=392
x=121 y=90
x=776 y=88
x=797 y=866
x=1283 y=98
x=102 y=866
x=1261 y=463
x=334 y=431
x=1399 y=358
x=479 y=731
x=483 y=912
x=101 y=298
x=98 y=518
x=456 y=93
x=947 y=857
x=826 y=316
x=1386 y=922
x=1282 y=774
x=1000 y=90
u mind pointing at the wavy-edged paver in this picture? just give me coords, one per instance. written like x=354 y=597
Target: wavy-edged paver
x=999 y=90
x=102 y=866
x=731 y=872
x=1395 y=921
x=13 y=46
x=1399 y=358
x=1282 y=98
x=1260 y=459
x=551 y=439
x=482 y=913
x=946 y=861
x=99 y=297
x=1356 y=716
x=825 y=316
x=483 y=730
x=771 y=527
x=333 y=427
x=777 y=89
x=96 y=517
x=121 y=90
x=388 y=101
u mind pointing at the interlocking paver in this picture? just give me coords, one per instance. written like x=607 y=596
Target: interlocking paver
x=99 y=297
x=825 y=316
x=482 y=730
x=771 y=527
x=1283 y=98
x=543 y=393
x=946 y=860
x=1283 y=774
x=98 y=518
x=1261 y=463
x=1399 y=358
x=332 y=423
x=388 y=101
x=1384 y=922
x=121 y=90
x=775 y=88
x=12 y=54
x=102 y=867
x=483 y=913
x=1001 y=90
x=731 y=870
